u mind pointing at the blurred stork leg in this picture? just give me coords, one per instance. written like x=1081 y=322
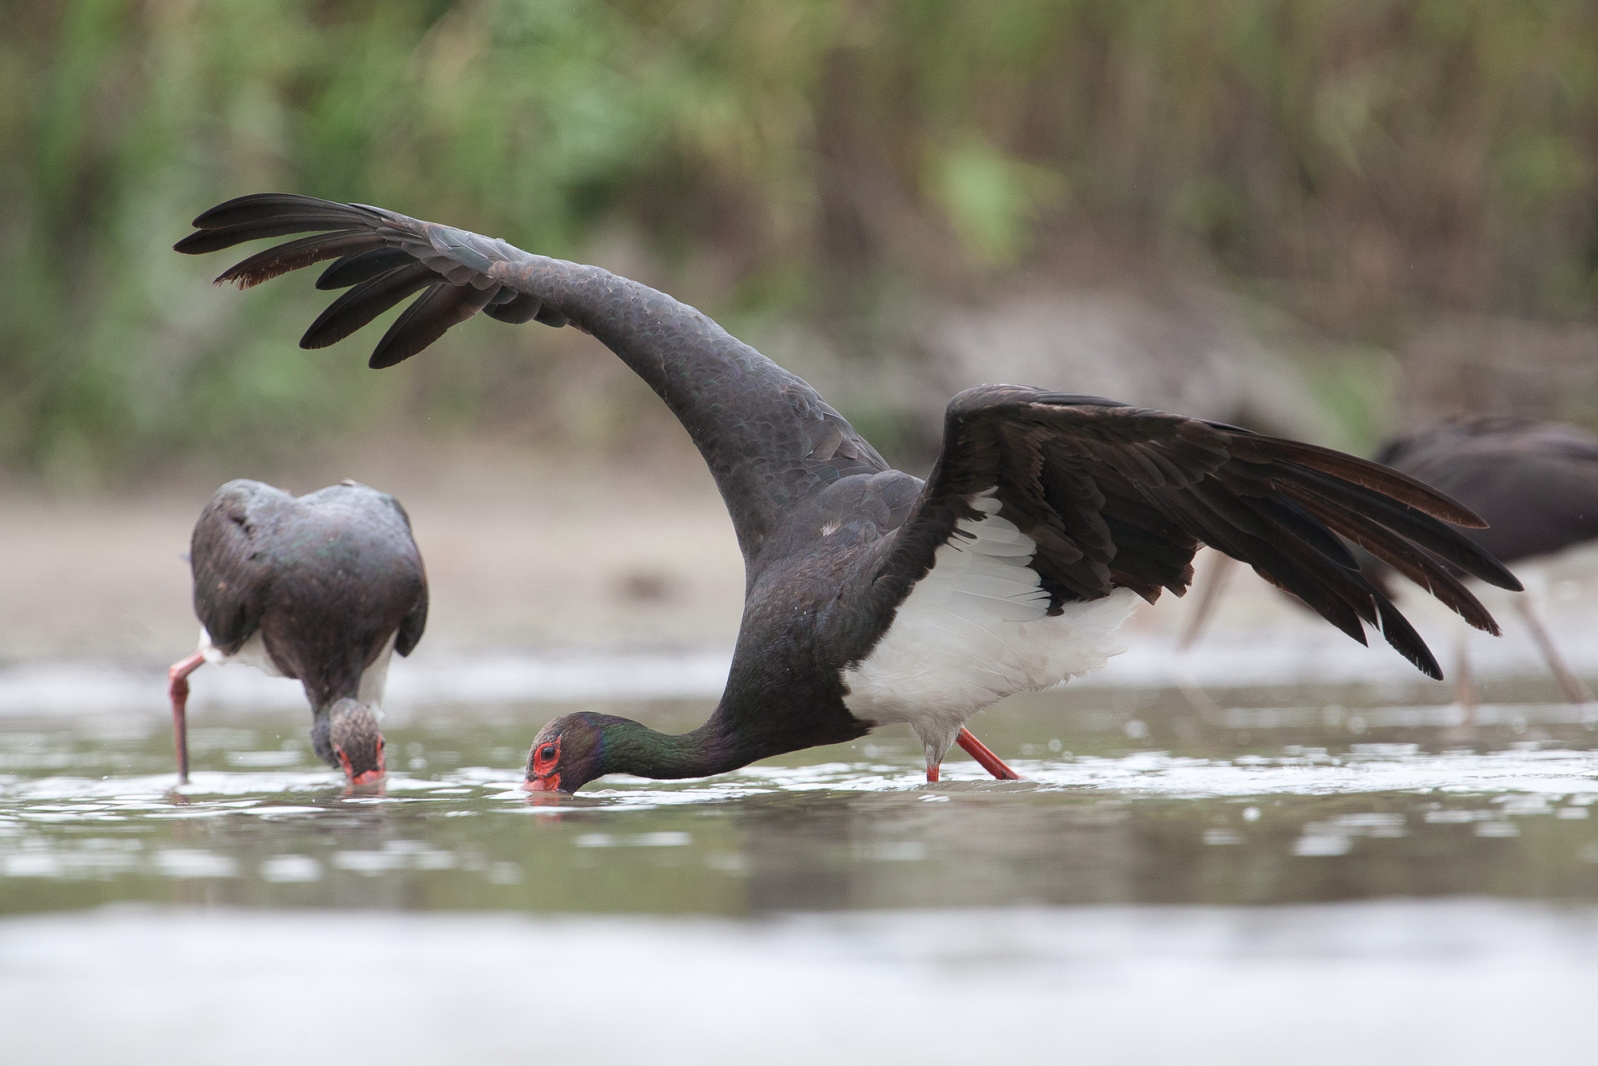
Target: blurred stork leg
x=178 y=689
x=1575 y=691
x=1464 y=682
x=1214 y=582
x=1211 y=585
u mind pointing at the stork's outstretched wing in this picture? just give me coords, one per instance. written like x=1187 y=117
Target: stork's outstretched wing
x=769 y=439
x=1112 y=496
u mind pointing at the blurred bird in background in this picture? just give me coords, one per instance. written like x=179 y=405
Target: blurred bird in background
x=1535 y=484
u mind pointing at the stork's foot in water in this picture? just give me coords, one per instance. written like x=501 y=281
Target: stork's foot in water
x=982 y=754
x=178 y=689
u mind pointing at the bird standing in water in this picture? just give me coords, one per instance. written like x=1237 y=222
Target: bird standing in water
x=322 y=588
x=872 y=596
x=1535 y=482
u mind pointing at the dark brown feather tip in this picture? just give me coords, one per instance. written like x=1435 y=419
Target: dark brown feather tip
x=264 y=266
x=1383 y=479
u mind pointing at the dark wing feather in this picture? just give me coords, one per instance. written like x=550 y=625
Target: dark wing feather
x=271 y=207
x=410 y=630
x=520 y=307
x=415 y=621
x=214 y=240
x=231 y=578
x=354 y=269
x=365 y=302
x=428 y=319
x=386 y=256
x=1118 y=497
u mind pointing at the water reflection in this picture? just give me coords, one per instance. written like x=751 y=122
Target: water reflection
x=1461 y=982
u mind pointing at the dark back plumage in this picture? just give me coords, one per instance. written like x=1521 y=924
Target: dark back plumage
x=324 y=579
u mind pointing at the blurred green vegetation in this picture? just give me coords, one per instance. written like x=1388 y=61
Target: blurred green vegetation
x=1354 y=161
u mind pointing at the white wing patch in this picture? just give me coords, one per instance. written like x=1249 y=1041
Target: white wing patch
x=976 y=629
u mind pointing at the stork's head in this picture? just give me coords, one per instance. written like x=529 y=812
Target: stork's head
x=357 y=742
x=568 y=753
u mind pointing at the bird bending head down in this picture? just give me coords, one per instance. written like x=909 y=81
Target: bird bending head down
x=357 y=742
x=873 y=597
x=574 y=749
x=548 y=763
x=322 y=588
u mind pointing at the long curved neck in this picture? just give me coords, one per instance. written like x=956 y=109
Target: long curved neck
x=633 y=748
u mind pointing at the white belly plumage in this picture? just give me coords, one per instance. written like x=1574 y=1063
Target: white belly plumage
x=253 y=653
x=976 y=629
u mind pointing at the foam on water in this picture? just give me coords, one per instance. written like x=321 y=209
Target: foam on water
x=1367 y=768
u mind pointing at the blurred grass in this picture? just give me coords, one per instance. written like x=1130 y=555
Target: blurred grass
x=1358 y=161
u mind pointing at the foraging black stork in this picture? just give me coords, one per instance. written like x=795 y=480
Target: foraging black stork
x=1536 y=484
x=322 y=588
x=871 y=596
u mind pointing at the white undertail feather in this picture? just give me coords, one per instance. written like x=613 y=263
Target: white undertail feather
x=253 y=653
x=375 y=677
x=976 y=629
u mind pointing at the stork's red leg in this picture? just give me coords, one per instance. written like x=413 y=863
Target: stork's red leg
x=979 y=751
x=178 y=688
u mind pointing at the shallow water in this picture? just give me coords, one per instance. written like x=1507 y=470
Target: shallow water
x=1149 y=803
x=1425 y=848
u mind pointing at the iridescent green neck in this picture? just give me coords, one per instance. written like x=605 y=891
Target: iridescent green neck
x=629 y=747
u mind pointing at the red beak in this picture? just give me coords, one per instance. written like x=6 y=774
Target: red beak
x=365 y=777
x=542 y=784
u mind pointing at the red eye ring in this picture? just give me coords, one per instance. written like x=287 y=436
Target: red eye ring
x=546 y=757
